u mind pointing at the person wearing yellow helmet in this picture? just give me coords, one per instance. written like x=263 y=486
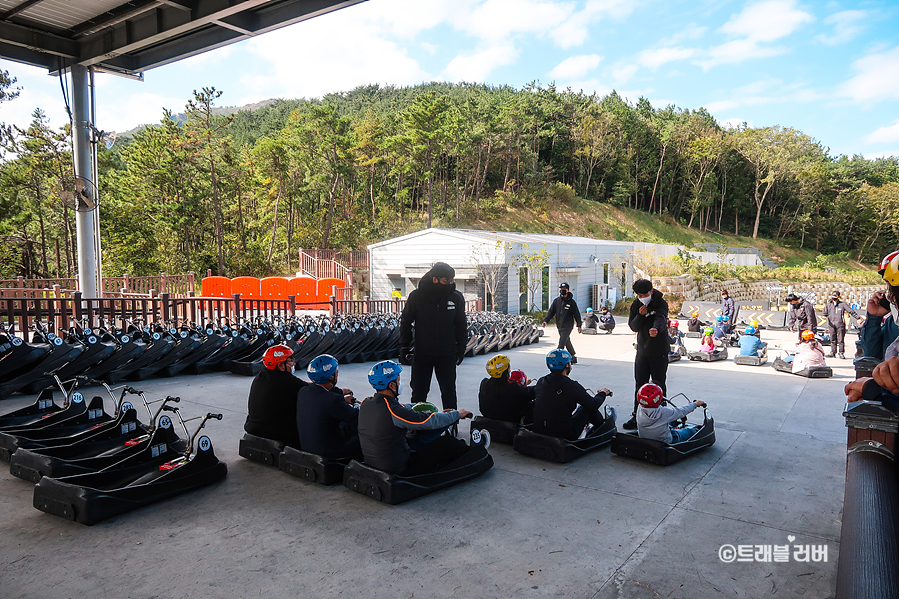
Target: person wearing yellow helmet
x=881 y=327
x=500 y=398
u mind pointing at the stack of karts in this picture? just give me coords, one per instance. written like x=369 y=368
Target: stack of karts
x=90 y=465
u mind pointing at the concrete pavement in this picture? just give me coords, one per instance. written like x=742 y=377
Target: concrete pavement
x=602 y=526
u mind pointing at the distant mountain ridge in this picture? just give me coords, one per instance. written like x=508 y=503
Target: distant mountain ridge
x=218 y=110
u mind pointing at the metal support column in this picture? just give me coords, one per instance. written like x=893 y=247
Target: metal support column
x=84 y=215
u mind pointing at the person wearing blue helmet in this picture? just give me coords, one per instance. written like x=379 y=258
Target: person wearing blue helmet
x=327 y=422
x=750 y=345
x=721 y=326
x=591 y=321
x=399 y=440
x=564 y=408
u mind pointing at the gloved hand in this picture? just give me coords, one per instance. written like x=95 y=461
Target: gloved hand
x=459 y=360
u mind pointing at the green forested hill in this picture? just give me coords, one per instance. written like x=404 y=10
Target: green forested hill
x=241 y=192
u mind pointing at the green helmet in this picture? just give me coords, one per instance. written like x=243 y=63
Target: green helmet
x=708 y=331
x=425 y=406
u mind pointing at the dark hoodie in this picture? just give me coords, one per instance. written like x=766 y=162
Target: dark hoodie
x=438 y=312
x=557 y=397
x=656 y=317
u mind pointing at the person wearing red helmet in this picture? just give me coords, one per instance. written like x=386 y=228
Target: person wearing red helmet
x=500 y=398
x=656 y=421
x=272 y=404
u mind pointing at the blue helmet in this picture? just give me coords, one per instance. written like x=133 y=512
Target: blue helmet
x=589 y=310
x=750 y=330
x=726 y=318
x=720 y=318
x=384 y=373
x=558 y=359
x=322 y=368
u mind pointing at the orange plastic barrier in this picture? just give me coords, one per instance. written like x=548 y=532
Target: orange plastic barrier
x=274 y=288
x=215 y=287
x=325 y=290
x=248 y=288
x=304 y=289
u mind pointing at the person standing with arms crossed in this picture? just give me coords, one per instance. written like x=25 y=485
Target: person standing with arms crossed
x=441 y=333
x=565 y=309
x=649 y=319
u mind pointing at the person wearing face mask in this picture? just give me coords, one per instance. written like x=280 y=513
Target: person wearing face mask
x=565 y=309
x=835 y=312
x=563 y=407
x=801 y=315
x=384 y=423
x=327 y=422
x=649 y=319
x=441 y=332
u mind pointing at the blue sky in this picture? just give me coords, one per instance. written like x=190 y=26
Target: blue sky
x=830 y=69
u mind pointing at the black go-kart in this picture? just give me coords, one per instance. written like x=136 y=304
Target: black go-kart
x=630 y=445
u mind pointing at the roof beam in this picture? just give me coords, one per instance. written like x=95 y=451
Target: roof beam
x=40 y=41
x=18 y=8
x=114 y=17
x=28 y=56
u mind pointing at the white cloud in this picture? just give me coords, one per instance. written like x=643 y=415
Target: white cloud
x=877 y=79
x=689 y=32
x=757 y=24
x=575 y=66
x=500 y=19
x=846 y=27
x=765 y=92
x=655 y=58
x=624 y=73
x=313 y=57
x=884 y=135
x=125 y=112
x=477 y=66
x=575 y=30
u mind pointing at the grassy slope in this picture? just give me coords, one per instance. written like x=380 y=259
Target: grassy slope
x=602 y=221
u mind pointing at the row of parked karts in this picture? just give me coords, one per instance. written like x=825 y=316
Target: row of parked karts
x=138 y=350
x=90 y=464
x=394 y=488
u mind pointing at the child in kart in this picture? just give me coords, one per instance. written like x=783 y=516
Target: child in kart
x=591 y=321
x=501 y=398
x=808 y=352
x=721 y=326
x=751 y=345
x=656 y=421
x=710 y=344
x=694 y=325
x=563 y=406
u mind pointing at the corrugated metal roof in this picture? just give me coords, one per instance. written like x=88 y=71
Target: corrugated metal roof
x=510 y=237
x=133 y=36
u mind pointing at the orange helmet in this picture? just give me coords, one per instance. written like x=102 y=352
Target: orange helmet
x=808 y=335
x=695 y=315
x=275 y=355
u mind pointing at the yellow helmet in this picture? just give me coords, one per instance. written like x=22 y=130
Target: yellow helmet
x=497 y=365
x=889 y=269
x=755 y=323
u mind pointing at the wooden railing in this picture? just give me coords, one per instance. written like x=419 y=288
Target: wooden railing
x=181 y=285
x=321 y=268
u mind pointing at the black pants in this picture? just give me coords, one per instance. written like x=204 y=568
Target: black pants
x=445 y=369
x=837 y=338
x=435 y=455
x=650 y=368
x=565 y=340
x=585 y=414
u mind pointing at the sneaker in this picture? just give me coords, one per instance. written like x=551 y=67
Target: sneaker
x=842 y=356
x=831 y=355
x=630 y=425
x=574 y=359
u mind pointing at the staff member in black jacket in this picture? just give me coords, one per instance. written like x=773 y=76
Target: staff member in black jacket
x=565 y=309
x=649 y=319
x=441 y=333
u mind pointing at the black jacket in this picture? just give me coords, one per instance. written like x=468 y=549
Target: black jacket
x=802 y=314
x=272 y=406
x=319 y=414
x=438 y=312
x=656 y=317
x=383 y=422
x=501 y=399
x=566 y=312
x=557 y=397
x=590 y=321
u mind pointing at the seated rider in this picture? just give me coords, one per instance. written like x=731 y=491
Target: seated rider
x=384 y=423
x=721 y=326
x=590 y=320
x=564 y=407
x=327 y=422
x=694 y=325
x=606 y=320
x=808 y=352
x=655 y=421
x=750 y=345
x=708 y=341
x=272 y=405
x=500 y=398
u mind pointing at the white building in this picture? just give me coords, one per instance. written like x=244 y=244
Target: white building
x=399 y=264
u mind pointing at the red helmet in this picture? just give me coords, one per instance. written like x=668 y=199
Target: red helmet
x=518 y=376
x=673 y=323
x=650 y=395
x=275 y=355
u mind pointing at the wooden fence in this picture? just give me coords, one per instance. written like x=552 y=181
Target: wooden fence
x=124 y=286
x=351 y=259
